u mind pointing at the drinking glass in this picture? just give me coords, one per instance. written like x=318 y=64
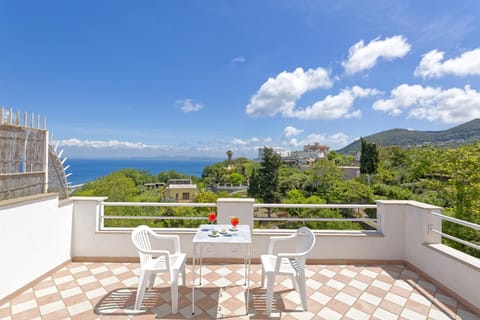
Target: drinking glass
x=234 y=221
x=211 y=217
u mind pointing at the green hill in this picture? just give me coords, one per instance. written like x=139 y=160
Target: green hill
x=462 y=134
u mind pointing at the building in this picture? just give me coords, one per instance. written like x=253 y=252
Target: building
x=351 y=172
x=180 y=190
x=281 y=152
x=322 y=151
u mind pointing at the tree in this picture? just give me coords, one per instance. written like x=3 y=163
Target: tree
x=164 y=176
x=229 y=155
x=265 y=180
x=290 y=178
x=206 y=197
x=116 y=186
x=295 y=196
x=322 y=176
x=368 y=157
x=139 y=177
x=236 y=178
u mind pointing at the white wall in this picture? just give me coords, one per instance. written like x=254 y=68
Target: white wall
x=455 y=270
x=39 y=235
x=35 y=237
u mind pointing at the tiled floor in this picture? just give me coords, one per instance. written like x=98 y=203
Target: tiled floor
x=107 y=291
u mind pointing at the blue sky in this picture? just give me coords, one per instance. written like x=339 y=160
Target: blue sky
x=197 y=78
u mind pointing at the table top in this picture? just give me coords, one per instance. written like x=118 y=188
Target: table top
x=242 y=236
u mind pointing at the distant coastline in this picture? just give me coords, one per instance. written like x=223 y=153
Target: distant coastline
x=88 y=169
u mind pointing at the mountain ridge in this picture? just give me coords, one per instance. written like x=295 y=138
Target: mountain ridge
x=465 y=133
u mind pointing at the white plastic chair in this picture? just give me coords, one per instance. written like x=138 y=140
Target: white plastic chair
x=153 y=262
x=290 y=263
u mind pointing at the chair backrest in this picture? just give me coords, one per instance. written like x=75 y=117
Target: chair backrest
x=305 y=240
x=141 y=241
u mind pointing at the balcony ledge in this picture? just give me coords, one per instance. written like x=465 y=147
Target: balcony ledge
x=459 y=256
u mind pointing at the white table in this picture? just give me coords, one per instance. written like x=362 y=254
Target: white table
x=203 y=239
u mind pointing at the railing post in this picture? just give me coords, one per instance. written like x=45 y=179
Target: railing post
x=380 y=217
x=432 y=222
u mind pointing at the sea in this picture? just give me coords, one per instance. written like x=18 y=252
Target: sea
x=86 y=170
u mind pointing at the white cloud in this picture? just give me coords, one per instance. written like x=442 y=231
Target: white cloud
x=104 y=144
x=243 y=142
x=291 y=132
x=362 y=57
x=279 y=94
x=334 y=107
x=431 y=65
x=239 y=59
x=239 y=141
x=188 y=106
x=335 y=140
x=120 y=149
x=454 y=105
x=293 y=142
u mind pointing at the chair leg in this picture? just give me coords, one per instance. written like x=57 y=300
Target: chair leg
x=151 y=280
x=263 y=277
x=302 y=290
x=174 y=292
x=142 y=285
x=270 y=287
x=184 y=283
x=294 y=280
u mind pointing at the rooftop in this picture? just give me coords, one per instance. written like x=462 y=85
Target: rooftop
x=59 y=260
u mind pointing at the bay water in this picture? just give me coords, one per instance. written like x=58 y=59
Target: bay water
x=85 y=170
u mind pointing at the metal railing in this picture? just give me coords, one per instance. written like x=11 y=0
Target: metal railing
x=459 y=222
x=371 y=222
x=155 y=204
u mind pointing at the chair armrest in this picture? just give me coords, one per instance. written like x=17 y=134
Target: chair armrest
x=155 y=252
x=292 y=255
x=276 y=239
x=173 y=237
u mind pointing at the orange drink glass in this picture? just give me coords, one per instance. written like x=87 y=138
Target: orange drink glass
x=211 y=217
x=234 y=221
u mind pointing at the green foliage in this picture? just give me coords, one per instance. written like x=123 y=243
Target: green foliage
x=295 y=196
x=448 y=178
x=206 y=197
x=164 y=176
x=213 y=174
x=139 y=177
x=321 y=176
x=290 y=178
x=235 y=178
x=264 y=182
x=116 y=186
x=235 y=172
x=368 y=157
x=391 y=192
x=339 y=159
x=349 y=191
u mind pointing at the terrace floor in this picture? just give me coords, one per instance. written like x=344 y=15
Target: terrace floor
x=83 y=290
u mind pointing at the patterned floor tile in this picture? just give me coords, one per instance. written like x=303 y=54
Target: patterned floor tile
x=107 y=291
